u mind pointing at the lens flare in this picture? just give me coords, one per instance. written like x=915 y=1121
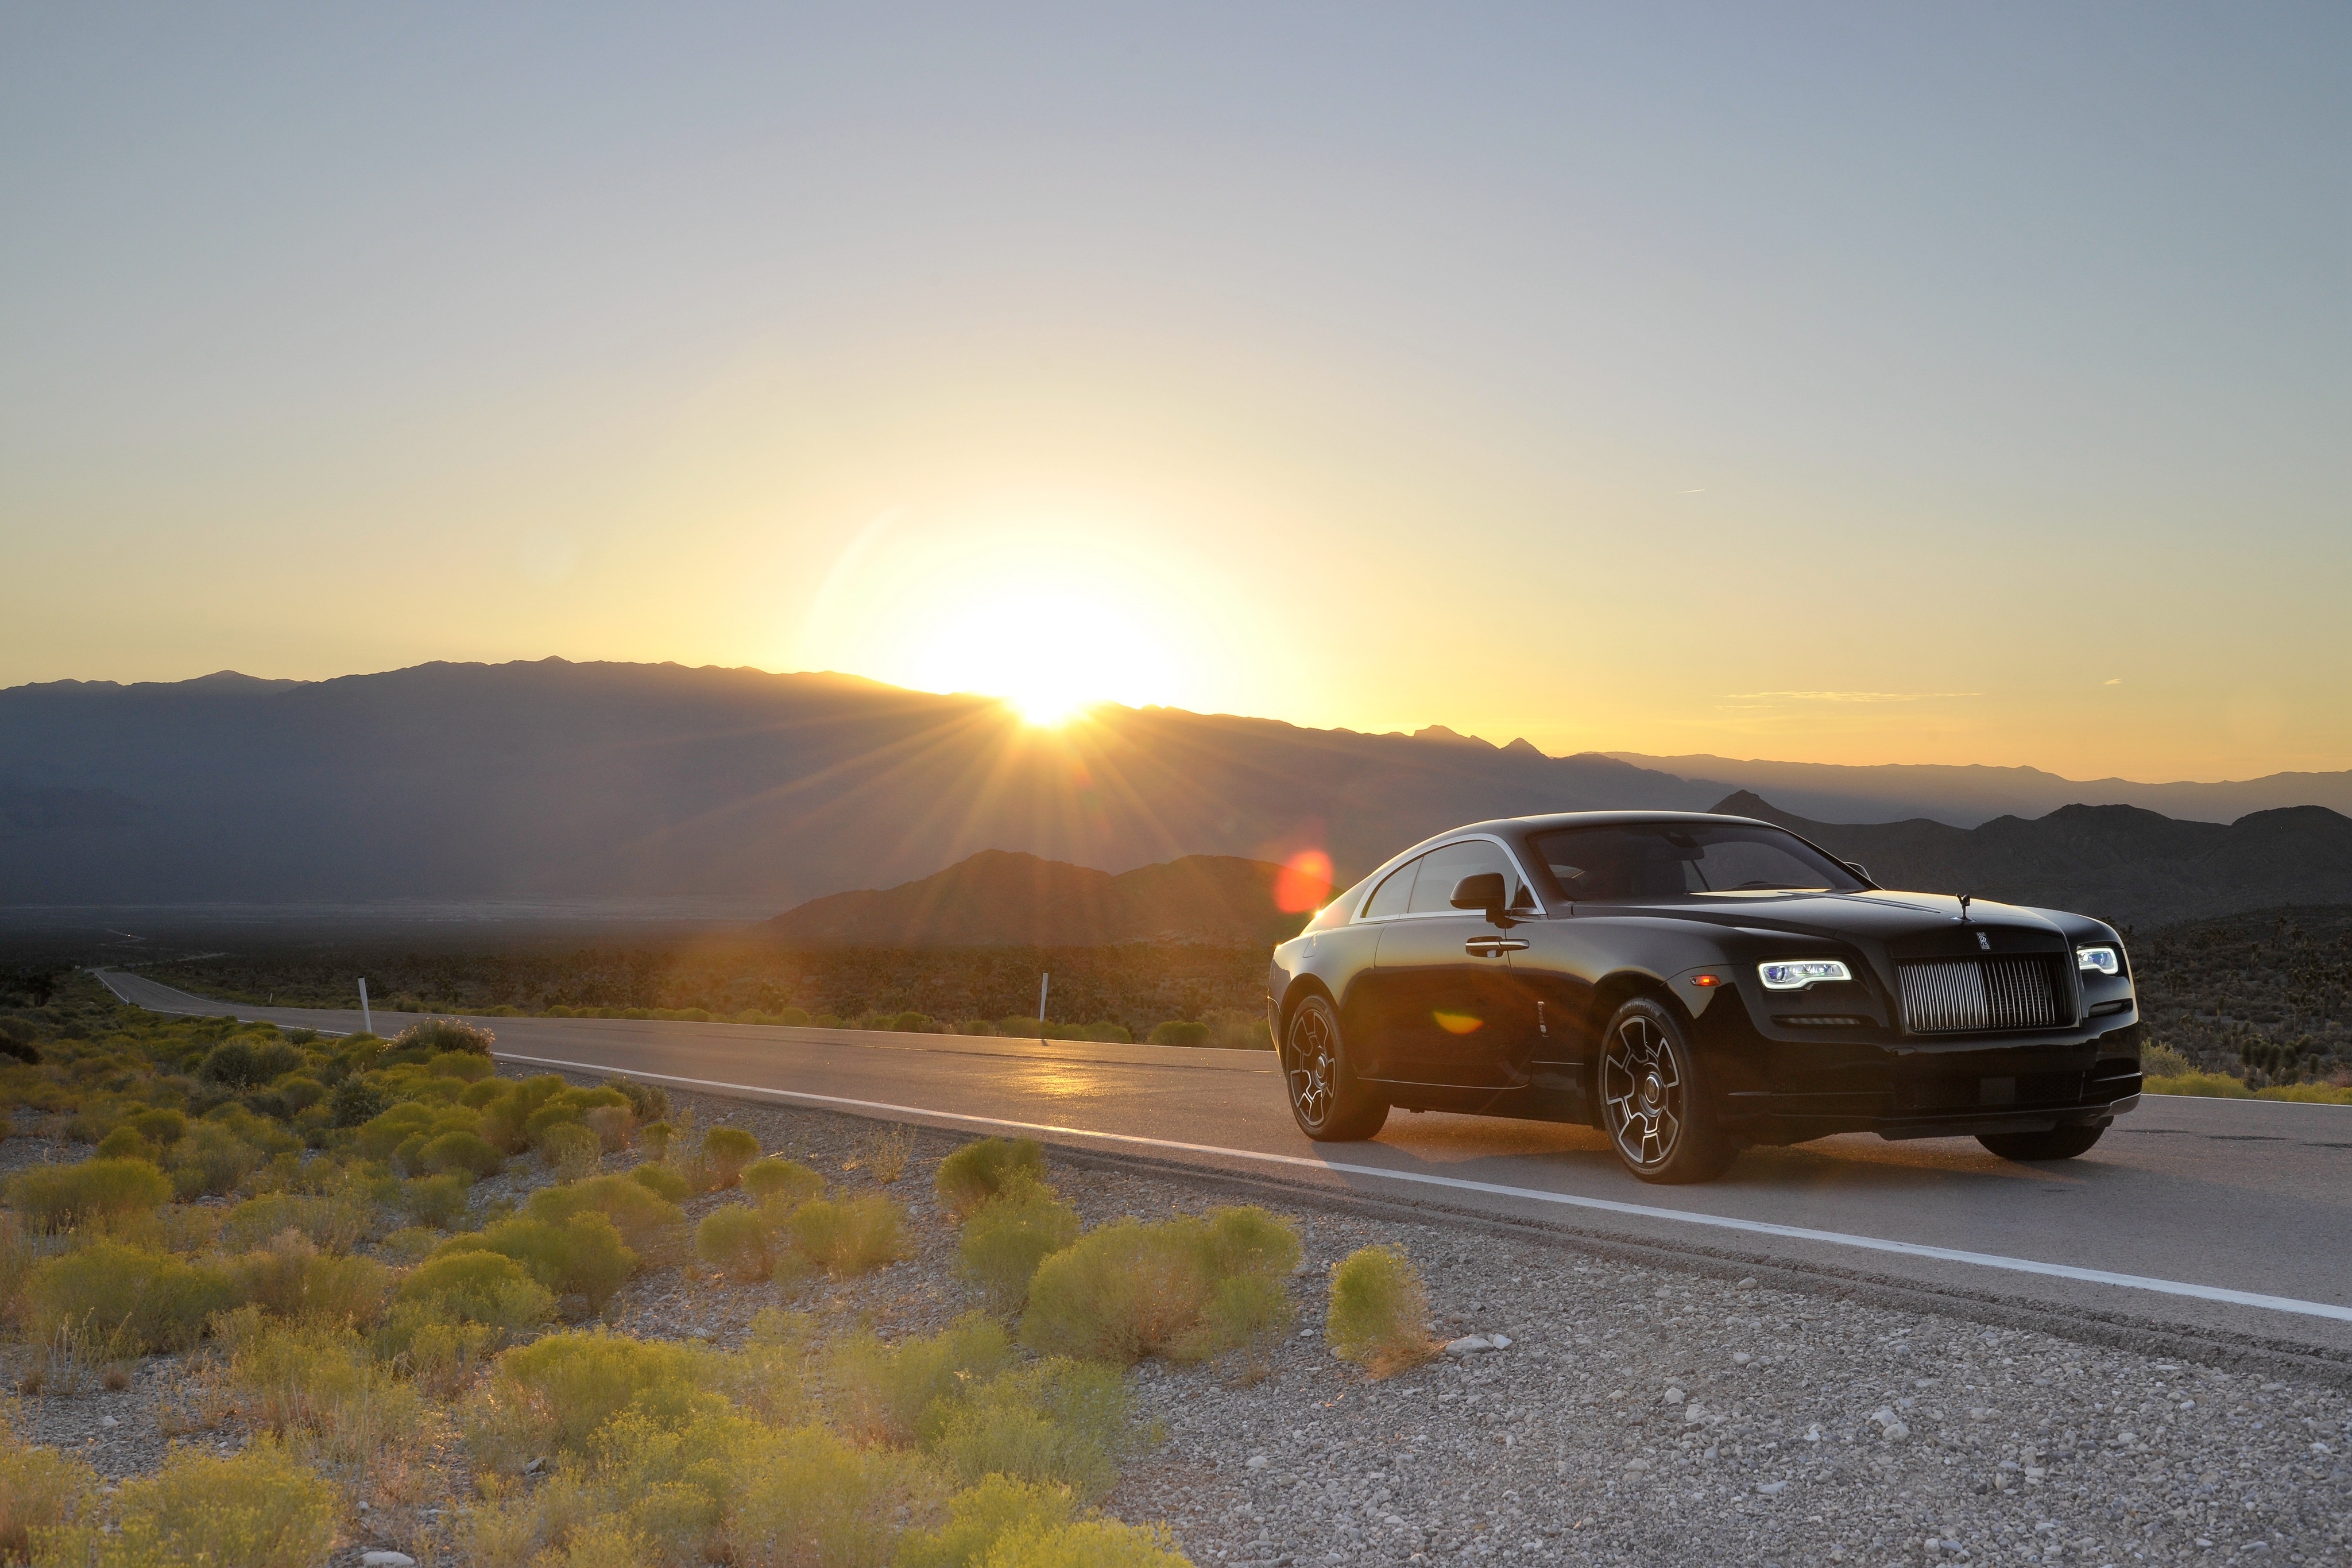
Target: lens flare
x=1304 y=884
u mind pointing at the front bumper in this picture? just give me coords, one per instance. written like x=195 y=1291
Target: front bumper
x=1785 y=1092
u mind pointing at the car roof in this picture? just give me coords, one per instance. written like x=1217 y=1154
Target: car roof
x=1519 y=827
x=1549 y=820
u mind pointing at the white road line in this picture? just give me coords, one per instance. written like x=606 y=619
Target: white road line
x=1606 y=1205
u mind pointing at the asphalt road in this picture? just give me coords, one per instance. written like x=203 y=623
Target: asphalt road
x=2222 y=1221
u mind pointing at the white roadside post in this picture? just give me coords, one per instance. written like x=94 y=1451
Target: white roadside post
x=1044 y=981
x=367 y=1021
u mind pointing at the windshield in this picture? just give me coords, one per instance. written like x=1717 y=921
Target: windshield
x=1686 y=860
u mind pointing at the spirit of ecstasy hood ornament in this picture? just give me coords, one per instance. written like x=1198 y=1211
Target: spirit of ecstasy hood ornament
x=1966 y=899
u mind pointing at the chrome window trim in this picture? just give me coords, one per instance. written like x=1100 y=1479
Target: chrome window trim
x=1374 y=882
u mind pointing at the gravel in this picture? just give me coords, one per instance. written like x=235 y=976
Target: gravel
x=1613 y=1413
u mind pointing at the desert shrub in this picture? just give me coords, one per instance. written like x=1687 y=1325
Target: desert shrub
x=571 y=1150
x=2163 y=1061
x=18 y=1259
x=853 y=1236
x=138 y=1299
x=2212 y=1085
x=301 y=1094
x=260 y=1508
x=465 y=1066
x=1130 y=1289
x=1060 y=1422
x=978 y=1171
x=2310 y=1093
x=979 y=1516
x=436 y=1200
x=902 y=1394
x=93 y=1193
x=336 y=1224
x=725 y=1152
x=210 y=1161
x=583 y=1256
x=409 y=1244
x=1087 y=1543
x=434 y=1036
x=486 y=1288
x=640 y=1216
x=1379 y=1315
x=663 y=1182
x=612 y=1124
x=248 y=1062
x=738 y=1240
x=1176 y=1031
x=554 y=1394
x=294 y=1280
x=647 y=1102
x=1011 y=1234
x=459 y=1151
x=655 y=1138
x=780 y=1180
x=40 y=1488
x=161 y=1126
x=813 y=1498
x=356 y=1102
x=123 y=1143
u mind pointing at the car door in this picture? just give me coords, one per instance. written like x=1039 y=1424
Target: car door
x=1449 y=1009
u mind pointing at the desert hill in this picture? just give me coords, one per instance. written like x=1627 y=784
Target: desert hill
x=2120 y=863
x=996 y=897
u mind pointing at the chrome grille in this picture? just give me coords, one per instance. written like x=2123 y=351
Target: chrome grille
x=1969 y=995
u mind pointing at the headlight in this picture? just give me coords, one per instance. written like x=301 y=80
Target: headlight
x=2099 y=961
x=1796 y=974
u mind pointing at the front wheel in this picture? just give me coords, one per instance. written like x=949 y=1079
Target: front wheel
x=1657 y=1111
x=1330 y=1105
x=2058 y=1143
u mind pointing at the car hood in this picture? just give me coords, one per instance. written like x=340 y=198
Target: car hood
x=1878 y=915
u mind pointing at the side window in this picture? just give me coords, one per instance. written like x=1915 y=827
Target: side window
x=1441 y=869
x=1394 y=895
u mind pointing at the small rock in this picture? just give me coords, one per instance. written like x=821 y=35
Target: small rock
x=1469 y=1344
x=1637 y=1464
x=386 y=1560
x=1740 y=1358
x=1747 y=1284
x=533 y=1468
x=110 y=1423
x=1771 y=1489
x=1674 y=1396
x=1500 y=1341
x=1259 y=1461
x=1694 y=1411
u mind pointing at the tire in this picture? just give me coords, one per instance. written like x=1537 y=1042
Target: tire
x=2058 y=1143
x=1328 y=1101
x=1658 y=1113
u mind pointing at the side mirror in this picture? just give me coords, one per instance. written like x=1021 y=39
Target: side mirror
x=1482 y=892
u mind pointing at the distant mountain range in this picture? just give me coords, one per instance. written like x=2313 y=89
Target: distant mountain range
x=554 y=780
x=997 y=896
x=2118 y=862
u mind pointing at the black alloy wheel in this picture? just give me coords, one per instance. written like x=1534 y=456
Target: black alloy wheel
x=2058 y=1143
x=1653 y=1106
x=1327 y=1100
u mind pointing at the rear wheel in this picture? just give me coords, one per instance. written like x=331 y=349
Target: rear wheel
x=1659 y=1115
x=1329 y=1102
x=2059 y=1143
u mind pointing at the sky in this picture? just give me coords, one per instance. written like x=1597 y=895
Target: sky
x=1846 y=385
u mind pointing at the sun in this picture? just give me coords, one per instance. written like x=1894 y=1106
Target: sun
x=1049 y=658
x=1050 y=614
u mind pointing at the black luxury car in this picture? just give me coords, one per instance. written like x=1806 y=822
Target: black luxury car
x=1691 y=985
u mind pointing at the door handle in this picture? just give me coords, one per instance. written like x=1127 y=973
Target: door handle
x=1493 y=947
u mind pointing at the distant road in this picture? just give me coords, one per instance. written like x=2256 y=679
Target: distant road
x=2219 y=1220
